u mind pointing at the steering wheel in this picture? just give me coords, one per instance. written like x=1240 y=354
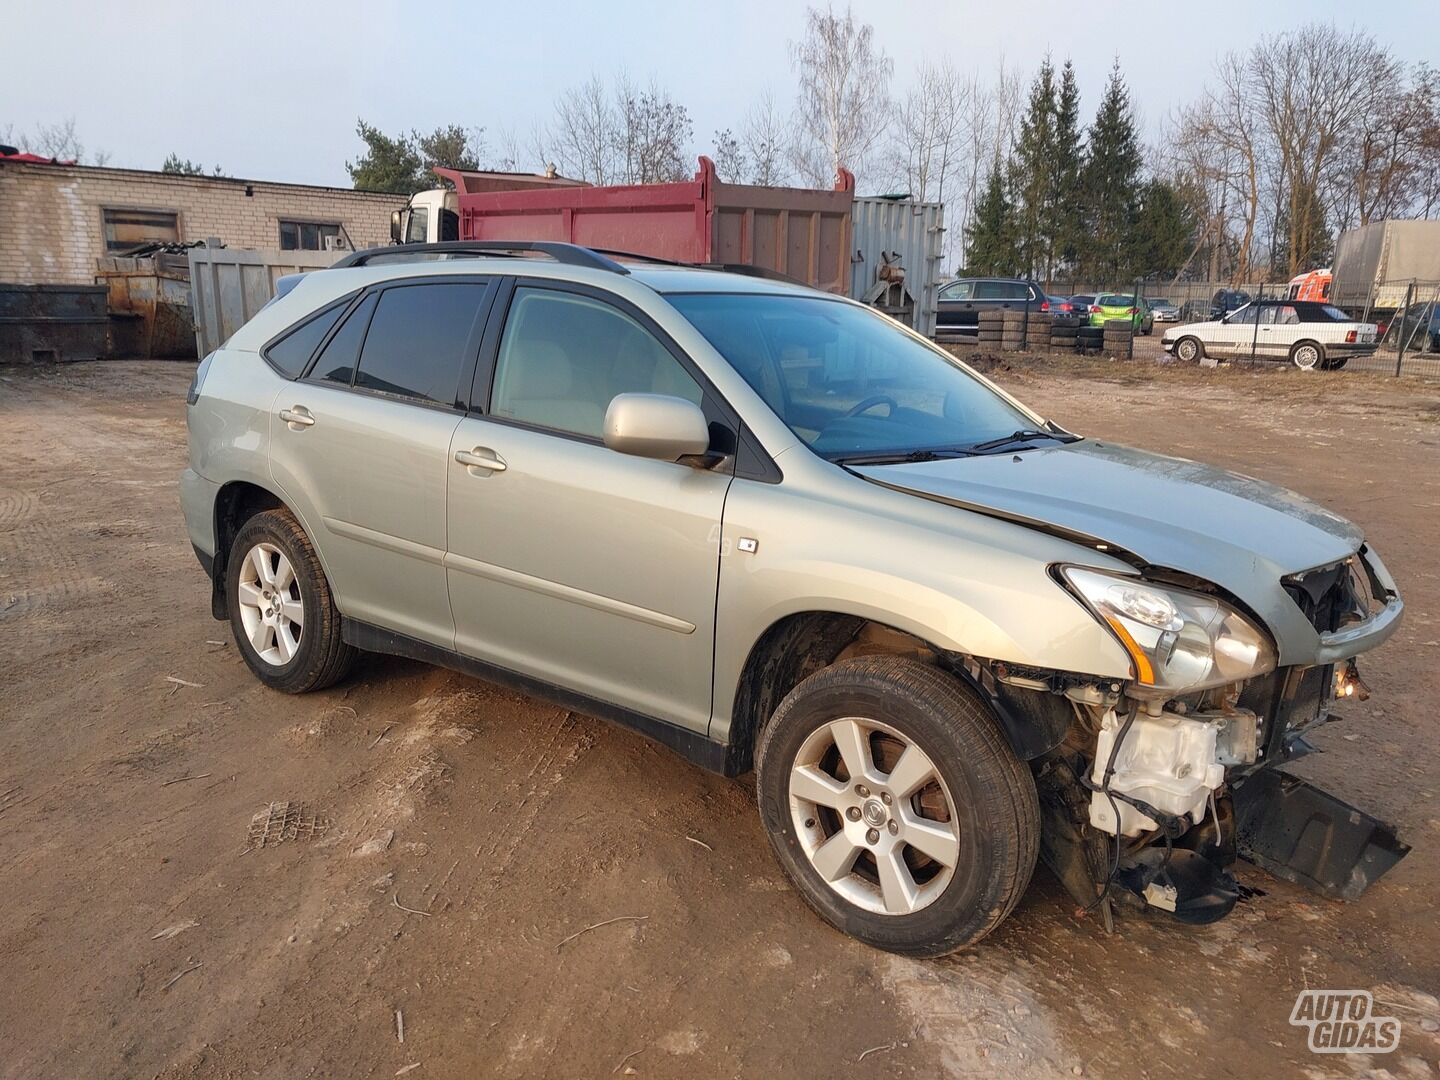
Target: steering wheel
x=870 y=402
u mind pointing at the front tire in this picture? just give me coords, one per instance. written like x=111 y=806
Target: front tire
x=895 y=806
x=1189 y=349
x=282 y=613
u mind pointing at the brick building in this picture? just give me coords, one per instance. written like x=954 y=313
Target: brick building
x=56 y=220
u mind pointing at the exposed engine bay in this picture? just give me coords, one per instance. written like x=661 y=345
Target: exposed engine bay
x=1151 y=788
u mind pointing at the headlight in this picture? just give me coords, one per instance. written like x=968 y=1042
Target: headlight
x=1179 y=641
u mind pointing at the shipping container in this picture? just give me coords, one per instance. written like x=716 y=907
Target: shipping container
x=896 y=265
x=803 y=233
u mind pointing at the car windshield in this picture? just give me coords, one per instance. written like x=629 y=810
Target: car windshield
x=1116 y=300
x=849 y=381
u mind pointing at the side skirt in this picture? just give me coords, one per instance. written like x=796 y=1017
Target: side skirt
x=691 y=745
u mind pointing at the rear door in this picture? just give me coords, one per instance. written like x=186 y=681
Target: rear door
x=568 y=562
x=361 y=445
x=956 y=306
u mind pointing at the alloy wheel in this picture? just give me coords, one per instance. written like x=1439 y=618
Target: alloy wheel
x=1306 y=357
x=271 y=607
x=873 y=816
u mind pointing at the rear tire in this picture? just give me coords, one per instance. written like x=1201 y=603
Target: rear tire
x=1308 y=355
x=853 y=848
x=286 y=625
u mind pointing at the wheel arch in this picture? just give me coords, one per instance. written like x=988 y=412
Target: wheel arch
x=797 y=645
x=235 y=503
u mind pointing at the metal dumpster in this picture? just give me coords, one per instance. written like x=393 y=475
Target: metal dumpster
x=149 y=300
x=47 y=323
x=228 y=285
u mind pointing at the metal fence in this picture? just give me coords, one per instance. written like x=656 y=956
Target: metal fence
x=1406 y=314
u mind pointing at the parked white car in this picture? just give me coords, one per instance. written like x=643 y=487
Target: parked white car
x=1308 y=334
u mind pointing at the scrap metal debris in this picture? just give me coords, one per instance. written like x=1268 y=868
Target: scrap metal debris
x=282 y=821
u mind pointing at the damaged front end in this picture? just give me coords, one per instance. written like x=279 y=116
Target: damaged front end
x=1157 y=784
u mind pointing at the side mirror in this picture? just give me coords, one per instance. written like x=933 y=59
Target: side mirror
x=657 y=426
x=395 y=227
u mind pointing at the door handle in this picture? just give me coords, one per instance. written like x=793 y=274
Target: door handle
x=482 y=457
x=297 y=417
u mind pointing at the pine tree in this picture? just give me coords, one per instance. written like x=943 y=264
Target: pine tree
x=1112 y=187
x=1032 y=177
x=1066 y=224
x=1164 y=231
x=990 y=241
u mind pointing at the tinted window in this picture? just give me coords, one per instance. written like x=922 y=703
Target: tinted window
x=336 y=363
x=417 y=340
x=564 y=357
x=845 y=379
x=1245 y=315
x=990 y=290
x=292 y=352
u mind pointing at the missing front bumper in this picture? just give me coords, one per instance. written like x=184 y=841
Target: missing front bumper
x=1301 y=834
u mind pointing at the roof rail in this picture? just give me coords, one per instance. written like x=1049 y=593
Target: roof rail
x=570 y=254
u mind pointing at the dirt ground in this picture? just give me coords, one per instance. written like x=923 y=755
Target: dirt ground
x=455 y=856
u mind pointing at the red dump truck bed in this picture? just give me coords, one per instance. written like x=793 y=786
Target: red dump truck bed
x=803 y=233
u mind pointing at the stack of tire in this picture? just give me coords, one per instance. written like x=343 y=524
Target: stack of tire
x=1118 y=334
x=991 y=329
x=1064 y=333
x=1089 y=339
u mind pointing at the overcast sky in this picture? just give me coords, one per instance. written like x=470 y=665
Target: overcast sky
x=271 y=90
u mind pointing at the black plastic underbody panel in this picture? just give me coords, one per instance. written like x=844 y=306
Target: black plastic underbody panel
x=1299 y=833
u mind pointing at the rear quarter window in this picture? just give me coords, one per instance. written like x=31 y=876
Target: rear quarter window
x=292 y=352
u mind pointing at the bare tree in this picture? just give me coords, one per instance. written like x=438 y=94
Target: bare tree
x=586 y=133
x=930 y=130
x=728 y=157
x=60 y=140
x=1315 y=86
x=843 y=101
x=764 y=142
x=652 y=135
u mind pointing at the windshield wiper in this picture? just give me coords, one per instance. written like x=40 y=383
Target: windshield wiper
x=1023 y=435
x=900 y=457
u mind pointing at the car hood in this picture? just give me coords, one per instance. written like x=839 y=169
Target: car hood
x=1235 y=531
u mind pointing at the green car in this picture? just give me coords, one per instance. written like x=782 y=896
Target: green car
x=1109 y=307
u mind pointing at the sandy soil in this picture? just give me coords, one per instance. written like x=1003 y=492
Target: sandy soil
x=447 y=840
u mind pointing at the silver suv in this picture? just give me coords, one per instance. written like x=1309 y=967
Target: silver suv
x=777 y=531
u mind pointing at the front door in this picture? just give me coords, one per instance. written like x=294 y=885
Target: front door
x=361 y=447
x=569 y=562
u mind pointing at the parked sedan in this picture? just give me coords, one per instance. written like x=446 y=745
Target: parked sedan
x=1309 y=334
x=1113 y=307
x=1163 y=310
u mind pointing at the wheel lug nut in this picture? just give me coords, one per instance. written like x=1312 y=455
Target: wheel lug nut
x=862 y=791
x=893 y=826
x=886 y=798
x=853 y=813
x=873 y=836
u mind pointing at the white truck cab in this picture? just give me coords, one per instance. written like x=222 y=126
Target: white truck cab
x=432 y=216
